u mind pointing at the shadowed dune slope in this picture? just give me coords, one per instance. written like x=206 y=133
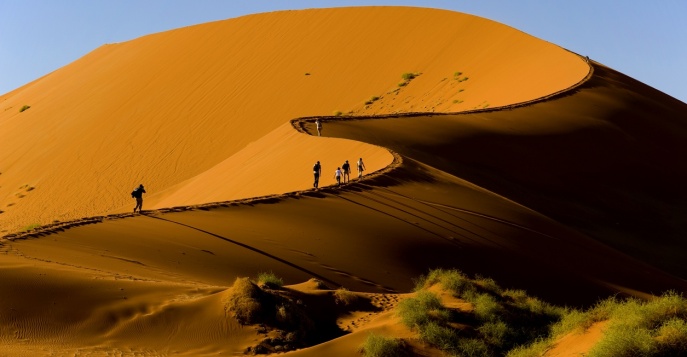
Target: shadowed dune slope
x=167 y=107
x=602 y=159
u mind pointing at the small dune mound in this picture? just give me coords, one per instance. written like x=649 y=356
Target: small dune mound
x=287 y=318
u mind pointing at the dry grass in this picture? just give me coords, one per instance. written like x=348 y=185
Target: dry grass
x=344 y=296
x=244 y=301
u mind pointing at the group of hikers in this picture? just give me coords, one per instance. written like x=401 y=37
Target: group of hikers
x=342 y=172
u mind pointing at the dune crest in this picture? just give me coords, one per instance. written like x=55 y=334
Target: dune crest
x=167 y=107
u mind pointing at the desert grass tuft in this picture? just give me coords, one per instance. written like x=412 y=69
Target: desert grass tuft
x=24 y=108
x=31 y=227
x=344 y=296
x=270 y=280
x=244 y=301
x=380 y=346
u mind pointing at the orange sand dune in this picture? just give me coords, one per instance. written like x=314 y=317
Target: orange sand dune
x=601 y=159
x=165 y=108
x=559 y=197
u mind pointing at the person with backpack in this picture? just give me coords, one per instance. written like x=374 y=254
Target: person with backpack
x=137 y=193
x=337 y=176
x=346 y=172
x=317 y=170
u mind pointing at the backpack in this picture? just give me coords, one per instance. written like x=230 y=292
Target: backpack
x=133 y=194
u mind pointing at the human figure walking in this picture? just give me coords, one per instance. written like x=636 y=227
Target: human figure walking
x=361 y=167
x=316 y=170
x=346 y=172
x=337 y=176
x=138 y=195
x=318 y=124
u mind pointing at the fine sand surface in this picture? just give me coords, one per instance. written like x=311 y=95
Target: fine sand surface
x=165 y=109
x=573 y=197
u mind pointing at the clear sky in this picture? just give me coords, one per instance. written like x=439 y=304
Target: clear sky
x=646 y=40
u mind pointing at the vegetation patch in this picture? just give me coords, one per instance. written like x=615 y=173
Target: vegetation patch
x=31 y=227
x=344 y=296
x=281 y=317
x=500 y=319
x=270 y=279
x=24 y=108
x=458 y=76
x=407 y=77
x=380 y=346
x=372 y=100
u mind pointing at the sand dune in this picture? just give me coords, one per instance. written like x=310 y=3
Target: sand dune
x=165 y=108
x=554 y=179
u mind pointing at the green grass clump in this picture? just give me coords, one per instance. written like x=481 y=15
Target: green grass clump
x=644 y=328
x=344 y=296
x=503 y=319
x=420 y=310
x=23 y=108
x=338 y=113
x=408 y=76
x=372 y=100
x=270 y=279
x=31 y=227
x=380 y=346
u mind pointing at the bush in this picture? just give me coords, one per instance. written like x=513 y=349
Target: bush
x=23 y=108
x=409 y=76
x=487 y=308
x=270 y=280
x=440 y=336
x=344 y=296
x=420 y=310
x=473 y=348
x=244 y=301
x=379 y=346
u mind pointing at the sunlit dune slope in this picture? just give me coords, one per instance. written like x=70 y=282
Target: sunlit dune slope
x=165 y=108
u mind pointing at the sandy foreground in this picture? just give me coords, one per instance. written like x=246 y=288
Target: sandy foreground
x=552 y=175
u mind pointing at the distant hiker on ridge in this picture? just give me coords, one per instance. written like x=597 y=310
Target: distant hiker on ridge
x=316 y=170
x=337 y=176
x=346 y=172
x=361 y=167
x=318 y=124
x=138 y=195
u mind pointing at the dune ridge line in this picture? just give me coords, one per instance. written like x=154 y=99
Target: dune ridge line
x=299 y=125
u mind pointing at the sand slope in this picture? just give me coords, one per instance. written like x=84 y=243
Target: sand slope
x=545 y=197
x=167 y=107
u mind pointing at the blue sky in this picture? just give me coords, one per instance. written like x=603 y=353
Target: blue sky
x=646 y=40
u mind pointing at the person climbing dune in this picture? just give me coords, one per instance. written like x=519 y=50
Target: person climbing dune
x=137 y=193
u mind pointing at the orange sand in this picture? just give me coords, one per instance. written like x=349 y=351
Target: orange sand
x=557 y=197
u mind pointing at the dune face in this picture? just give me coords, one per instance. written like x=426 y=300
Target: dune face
x=165 y=108
x=530 y=166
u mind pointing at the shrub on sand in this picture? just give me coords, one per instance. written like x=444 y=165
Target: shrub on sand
x=408 y=76
x=445 y=338
x=344 y=296
x=23 y=108
x=452 y=280
x=270 y=280
x=420 y=310
x=244 y=301
x=379 y=346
